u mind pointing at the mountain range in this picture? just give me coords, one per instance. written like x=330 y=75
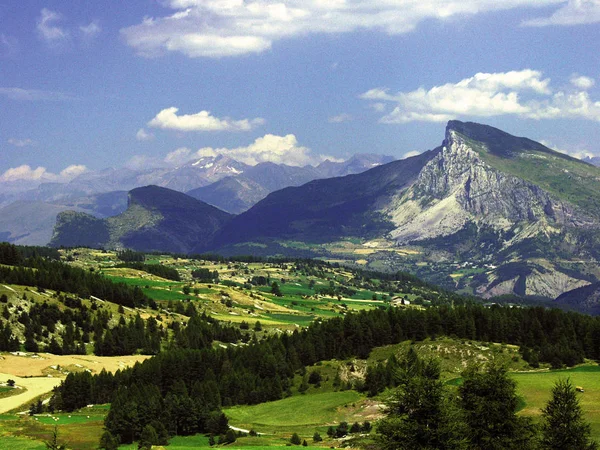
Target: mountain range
x=27 y=215
x=485 y=213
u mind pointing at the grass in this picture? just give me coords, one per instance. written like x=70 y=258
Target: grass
x=19 y=443
x=536 y=387
x=301 y=413
x=7 y=391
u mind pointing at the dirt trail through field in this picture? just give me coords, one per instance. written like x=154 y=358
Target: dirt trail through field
x=33 y=387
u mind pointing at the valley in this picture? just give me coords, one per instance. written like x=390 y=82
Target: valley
x=268 y=300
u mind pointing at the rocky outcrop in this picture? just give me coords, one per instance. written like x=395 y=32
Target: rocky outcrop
x=457 y=186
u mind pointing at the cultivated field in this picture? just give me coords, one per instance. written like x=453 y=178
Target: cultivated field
x=39 y=373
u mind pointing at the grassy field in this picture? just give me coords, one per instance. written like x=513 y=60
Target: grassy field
x=536 y=387
x=302 y=413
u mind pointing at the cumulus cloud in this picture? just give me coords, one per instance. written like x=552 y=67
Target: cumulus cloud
x=27 y=173
x=525 y=94
x=143 y=135
x=21 y=142
x=268 y=148
x=219 y=28
x=168 y=119
x=15 y=93
x=340 y=118
x=48 y=28
x=574 y=12
x=582 y=82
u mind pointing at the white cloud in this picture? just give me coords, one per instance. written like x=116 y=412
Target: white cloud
x=48 y=29
x=143 y=135
x=410 y=154
x=574 y=12
x=377 y=107
x=179 y=156
x=15 y=93
x=340 y=118
x=91 y=30
x=21 y=142
x=218 y=28
x=168 y=119
x=269 y=148
x=582 y=82
x=40 y=174
x=522 y=93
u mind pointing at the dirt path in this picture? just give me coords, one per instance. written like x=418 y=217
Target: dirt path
x=34 y=386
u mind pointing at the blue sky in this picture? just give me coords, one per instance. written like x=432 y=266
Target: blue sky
x=142 y=83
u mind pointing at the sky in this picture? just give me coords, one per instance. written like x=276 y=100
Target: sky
x=144 y=83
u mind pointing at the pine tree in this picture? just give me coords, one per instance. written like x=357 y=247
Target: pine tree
x=295 y=439
x=419 y=415
x=563 y=425
x=108 y=441
x=489 y=403
x=148 y=438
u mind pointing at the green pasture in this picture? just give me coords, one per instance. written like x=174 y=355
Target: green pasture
x=536 y=389
x=302 y=413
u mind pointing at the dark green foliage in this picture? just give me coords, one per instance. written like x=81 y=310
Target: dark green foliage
x=148 y=438
x=563 y=425
x=317 y=437
x=9 y=254
x=489 y=403
x=205 y=275
x=230 y=437
x=8 y=342
x=341 y=430
x=295 y=439
x=419 y=414
x=275 y=290
x=128 y=255
x=108 y=441
x=263 y=370
x=58 y=276
x=314 y=377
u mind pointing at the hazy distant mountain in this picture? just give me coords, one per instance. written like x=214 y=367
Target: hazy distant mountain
x=237 y=194
x=594 y=160
x=31 y=222
x=356 y=164
x=156 y=219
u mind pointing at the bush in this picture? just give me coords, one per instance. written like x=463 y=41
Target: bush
x=295 y=439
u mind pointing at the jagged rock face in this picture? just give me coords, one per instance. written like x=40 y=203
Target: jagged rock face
x=457 y=186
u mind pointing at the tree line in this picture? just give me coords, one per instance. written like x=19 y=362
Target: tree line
x=263 y=370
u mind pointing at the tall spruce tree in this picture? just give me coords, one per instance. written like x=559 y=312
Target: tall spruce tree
x=563 y=426
x=489 y=403
x=419 y=414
